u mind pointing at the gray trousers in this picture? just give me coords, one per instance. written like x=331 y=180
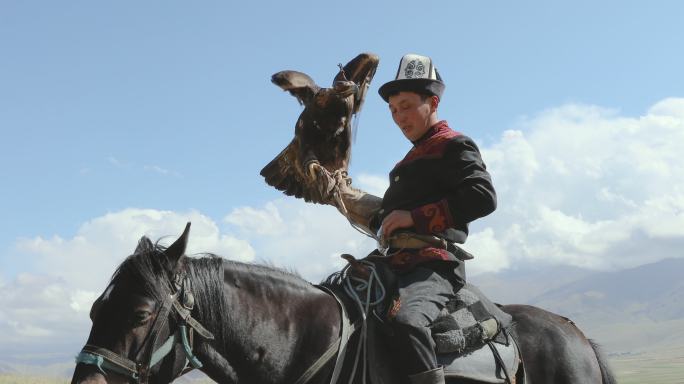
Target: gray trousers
x=423 y=293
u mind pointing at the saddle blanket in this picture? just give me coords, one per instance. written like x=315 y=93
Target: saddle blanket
x=480 y=364
x=468 y=322
x=471 y=337
x=477 y=364
x=469 y=334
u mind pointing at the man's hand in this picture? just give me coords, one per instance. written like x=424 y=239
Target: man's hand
x=395 y=220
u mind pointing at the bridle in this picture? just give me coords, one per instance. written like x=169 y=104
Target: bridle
x=179 y=303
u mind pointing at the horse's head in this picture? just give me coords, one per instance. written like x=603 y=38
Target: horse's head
x=139 y=322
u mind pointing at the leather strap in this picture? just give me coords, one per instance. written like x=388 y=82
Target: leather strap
x=147 y=356
x=339 y=346
x=500 y=361
x=108 y=359
x=144 y=356
x=348 y=329
x=415 y=241
x=194 y=324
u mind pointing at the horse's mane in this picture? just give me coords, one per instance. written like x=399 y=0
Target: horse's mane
x=146 y=268
x=206 y=283
x=268 y=272
x=335 y=280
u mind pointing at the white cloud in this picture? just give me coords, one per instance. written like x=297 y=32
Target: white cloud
x=160 y=170
x=115 y=162
x=34 y=306
x=584 y=186
x=489 y=251
x=50 y=305
x=80 y=301
x=266 y=221
x=102 y=243
x=292 y=234
x=372 y=184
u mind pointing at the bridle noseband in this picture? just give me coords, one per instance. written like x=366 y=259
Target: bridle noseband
x=181 y=301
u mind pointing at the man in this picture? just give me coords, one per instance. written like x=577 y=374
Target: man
x=439 y=187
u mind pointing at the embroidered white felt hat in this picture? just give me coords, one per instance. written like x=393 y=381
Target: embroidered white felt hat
x=416 y=73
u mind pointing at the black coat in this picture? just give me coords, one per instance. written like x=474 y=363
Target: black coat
x=443 y=181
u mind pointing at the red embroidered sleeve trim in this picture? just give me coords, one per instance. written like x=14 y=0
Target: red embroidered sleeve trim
x=432 y=218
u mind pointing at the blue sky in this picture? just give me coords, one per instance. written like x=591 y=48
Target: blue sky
x=127 y=118
x=178 y=86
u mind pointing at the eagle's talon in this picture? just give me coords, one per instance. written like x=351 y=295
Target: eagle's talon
x=314 y=170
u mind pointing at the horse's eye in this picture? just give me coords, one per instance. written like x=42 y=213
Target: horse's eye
x=141 y=317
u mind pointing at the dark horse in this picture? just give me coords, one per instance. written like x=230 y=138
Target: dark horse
x=255 y=324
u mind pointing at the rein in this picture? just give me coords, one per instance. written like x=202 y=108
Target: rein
x=139 y=369
x=352 y=285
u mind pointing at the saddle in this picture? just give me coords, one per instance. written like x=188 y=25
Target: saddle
x=472 y=334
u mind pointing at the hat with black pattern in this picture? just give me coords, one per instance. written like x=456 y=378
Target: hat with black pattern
x=416 y=73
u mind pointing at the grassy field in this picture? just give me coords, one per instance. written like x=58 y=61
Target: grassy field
x=651 y=370
x=28 y=379
x=661 y=369
x=25 y=379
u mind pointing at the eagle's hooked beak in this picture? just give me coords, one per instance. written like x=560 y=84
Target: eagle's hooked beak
x=346 y=88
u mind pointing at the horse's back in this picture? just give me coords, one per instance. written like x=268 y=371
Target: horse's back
x=553 y=349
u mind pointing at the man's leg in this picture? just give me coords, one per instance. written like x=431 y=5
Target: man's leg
x=423 y=293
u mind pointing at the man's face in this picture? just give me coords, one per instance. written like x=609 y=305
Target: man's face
x=411 y=113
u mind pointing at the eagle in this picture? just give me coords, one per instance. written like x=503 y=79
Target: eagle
x=323 y=132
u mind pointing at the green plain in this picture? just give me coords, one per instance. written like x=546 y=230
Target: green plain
x=628 y=370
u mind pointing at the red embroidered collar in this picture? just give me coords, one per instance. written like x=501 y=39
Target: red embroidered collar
x=439 y=126
x=432 y=143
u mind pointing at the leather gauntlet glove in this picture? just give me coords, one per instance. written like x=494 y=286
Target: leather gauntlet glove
x=358 y=206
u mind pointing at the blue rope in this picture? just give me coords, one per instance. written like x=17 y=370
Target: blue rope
x=194 y=361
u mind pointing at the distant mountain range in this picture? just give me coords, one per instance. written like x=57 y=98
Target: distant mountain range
x=653 y=291
x=628 y=311
x=50 y=370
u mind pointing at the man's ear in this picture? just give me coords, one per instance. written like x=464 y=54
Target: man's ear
x=434 y=102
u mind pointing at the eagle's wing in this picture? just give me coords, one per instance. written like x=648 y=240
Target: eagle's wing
x=360 y=70
x=285 y=173
x=298 y=84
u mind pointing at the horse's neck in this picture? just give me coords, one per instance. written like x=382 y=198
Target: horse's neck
x=277 y=323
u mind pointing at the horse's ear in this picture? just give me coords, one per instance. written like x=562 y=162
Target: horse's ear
x=299 y=84
x=144 y=244
x=177 y=249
